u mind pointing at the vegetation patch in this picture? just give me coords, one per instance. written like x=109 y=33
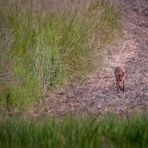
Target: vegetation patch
x=42 y=48
x=107 y=132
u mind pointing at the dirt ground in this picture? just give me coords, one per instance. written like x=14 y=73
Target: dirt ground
x=98 y=94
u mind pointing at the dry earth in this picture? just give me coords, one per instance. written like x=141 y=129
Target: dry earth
x=98 y=94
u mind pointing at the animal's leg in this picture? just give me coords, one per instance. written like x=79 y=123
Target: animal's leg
x=117 y=85
x=123 y=85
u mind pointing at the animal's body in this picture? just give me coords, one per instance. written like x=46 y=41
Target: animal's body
x=119 y=76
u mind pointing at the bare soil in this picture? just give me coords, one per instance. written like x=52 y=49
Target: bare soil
x=97 y=94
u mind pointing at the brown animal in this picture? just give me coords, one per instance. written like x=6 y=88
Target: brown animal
x=119 y=76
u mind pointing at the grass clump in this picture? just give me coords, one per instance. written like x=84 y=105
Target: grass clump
x=108 y=132
x=43 y=48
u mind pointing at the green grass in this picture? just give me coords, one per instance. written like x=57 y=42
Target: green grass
x=41 y=50
x=80 y=133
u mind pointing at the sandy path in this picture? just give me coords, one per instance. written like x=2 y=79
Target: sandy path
x=97 y=95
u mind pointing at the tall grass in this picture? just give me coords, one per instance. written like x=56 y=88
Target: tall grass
x=108 y=132
x=43 y=47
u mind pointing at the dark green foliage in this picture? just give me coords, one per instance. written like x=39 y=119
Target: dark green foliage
x=108 y=132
